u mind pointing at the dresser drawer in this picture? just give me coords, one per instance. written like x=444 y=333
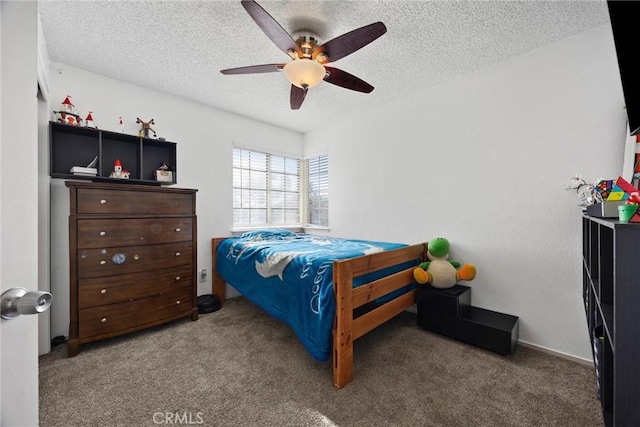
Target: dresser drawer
x=99 y=233
x=113 y=201
x=111 y=318
x=132 y=259
x=111 y=289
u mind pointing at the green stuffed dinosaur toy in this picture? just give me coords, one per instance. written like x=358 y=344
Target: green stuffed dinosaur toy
x=439 y=271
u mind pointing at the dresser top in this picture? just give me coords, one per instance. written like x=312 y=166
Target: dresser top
x=124 y=186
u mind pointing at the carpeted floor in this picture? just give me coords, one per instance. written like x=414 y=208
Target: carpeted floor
x=240 y=367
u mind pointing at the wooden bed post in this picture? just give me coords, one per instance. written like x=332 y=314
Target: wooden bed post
x=217 y=283
x=343 y=328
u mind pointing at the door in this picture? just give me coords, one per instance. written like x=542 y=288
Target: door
x=18 y=208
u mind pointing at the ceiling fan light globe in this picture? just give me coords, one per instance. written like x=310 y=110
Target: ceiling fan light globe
x=304 y=72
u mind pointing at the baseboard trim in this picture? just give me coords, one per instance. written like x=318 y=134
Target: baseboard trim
x=580 y=360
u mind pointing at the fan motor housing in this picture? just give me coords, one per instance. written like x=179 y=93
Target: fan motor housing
x=308 y=44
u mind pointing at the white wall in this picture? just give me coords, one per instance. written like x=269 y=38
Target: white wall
x=205 y=138
x=482 y=160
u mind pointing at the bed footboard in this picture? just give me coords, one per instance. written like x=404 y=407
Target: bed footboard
x=347 y=329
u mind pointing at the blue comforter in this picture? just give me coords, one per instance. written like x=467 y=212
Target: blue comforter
x=290 y=275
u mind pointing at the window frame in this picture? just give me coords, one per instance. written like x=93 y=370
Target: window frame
x=269 y=190
x=322 y=158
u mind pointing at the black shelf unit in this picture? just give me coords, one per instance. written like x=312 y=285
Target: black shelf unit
x=449 y=312
x=71 y=146
x=611 y=295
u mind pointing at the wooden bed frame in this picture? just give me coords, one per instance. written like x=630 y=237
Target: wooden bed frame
x=346 y=327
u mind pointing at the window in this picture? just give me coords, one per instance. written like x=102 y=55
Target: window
x=266 y=189
x=317 y=182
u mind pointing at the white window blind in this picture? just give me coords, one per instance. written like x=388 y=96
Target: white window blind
x=317 y=181
x=266 y=189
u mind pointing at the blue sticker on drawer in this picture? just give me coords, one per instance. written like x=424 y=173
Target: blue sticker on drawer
x=119 y=258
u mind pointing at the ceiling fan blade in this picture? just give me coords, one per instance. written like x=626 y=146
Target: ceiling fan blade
x=346 y=80
x=270 y=27
x=349 y=42
x=254 y=69
x=297 y=97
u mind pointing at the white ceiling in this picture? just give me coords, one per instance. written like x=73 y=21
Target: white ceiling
x=179 y=47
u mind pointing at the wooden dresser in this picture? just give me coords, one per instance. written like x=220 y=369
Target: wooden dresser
x=132 y=253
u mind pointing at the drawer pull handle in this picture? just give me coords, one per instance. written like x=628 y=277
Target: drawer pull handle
x=177 y=230
x=177 y=253
x=178 y=302
x=177 y=278
x=103 y=202
x=103 y=233
x=103 y=262
x=104 y=291
x=103 y=320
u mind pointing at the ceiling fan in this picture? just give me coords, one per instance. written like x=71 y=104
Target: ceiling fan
x=306 y=68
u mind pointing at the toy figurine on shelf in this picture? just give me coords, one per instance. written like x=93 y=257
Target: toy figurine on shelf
x=121 y=124
x=67 y=106
x=67 y=113
x=146 y=127
x=118 y=172
x=117 y=169
x=88 y=122
x=163 y=174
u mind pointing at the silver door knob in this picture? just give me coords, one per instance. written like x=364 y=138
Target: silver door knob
x=17 y=301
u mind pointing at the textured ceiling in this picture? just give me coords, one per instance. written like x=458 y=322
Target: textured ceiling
x=179 y=47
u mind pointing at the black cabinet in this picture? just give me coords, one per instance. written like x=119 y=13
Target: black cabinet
x=449 y=312
x=77 y=146
x=611 y=295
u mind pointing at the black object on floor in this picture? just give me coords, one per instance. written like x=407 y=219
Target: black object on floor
x=208 y=303
x=449 y=312
x=60 y=339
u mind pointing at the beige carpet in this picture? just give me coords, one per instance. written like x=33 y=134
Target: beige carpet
x=240 y=367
